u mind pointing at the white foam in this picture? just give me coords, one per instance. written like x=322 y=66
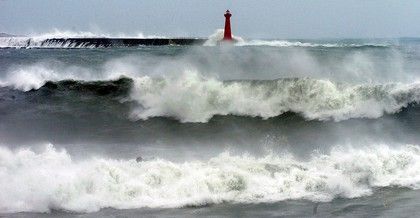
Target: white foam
x=40 y=182
x=191 y=97
x=178 y=89
x=37 y=40
x=36 y=75
x=286 y=43
x=217 y=37
x=58 y=33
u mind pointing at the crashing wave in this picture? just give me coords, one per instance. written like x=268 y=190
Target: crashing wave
x=49 y=40
x=57 y=33
x=27 y=42
x=45 y=40
x=218 y=36
x=193 y=98
x=51 y=180
x=93 y=42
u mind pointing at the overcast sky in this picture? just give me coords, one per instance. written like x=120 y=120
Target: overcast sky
x=251 y=18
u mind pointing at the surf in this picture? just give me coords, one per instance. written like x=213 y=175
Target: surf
x=50 y=180
x=191 y=97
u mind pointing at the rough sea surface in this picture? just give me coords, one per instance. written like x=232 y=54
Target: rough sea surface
x=261 y=128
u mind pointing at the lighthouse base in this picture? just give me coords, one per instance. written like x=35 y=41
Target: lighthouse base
x=227 y=42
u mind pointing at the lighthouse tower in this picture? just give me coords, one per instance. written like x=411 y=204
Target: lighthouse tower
x=228 y=32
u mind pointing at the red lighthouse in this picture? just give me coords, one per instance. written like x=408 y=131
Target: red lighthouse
x=228 y=32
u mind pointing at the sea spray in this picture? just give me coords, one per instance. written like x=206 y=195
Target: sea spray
x=193 y=98
x=217 y=36
x=50 y=179
x=40 y=40
x=43 y=40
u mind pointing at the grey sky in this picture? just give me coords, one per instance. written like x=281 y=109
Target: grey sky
x=251 y=19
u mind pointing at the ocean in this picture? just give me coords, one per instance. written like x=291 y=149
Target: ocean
x=260 y=128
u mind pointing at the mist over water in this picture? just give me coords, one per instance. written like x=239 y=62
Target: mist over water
x=260 y=121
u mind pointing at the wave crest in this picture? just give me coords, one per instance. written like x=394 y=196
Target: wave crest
x=193 y=98
x=40 y=182
x=43 y=40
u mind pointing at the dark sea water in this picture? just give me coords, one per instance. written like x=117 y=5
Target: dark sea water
x=263 y=128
